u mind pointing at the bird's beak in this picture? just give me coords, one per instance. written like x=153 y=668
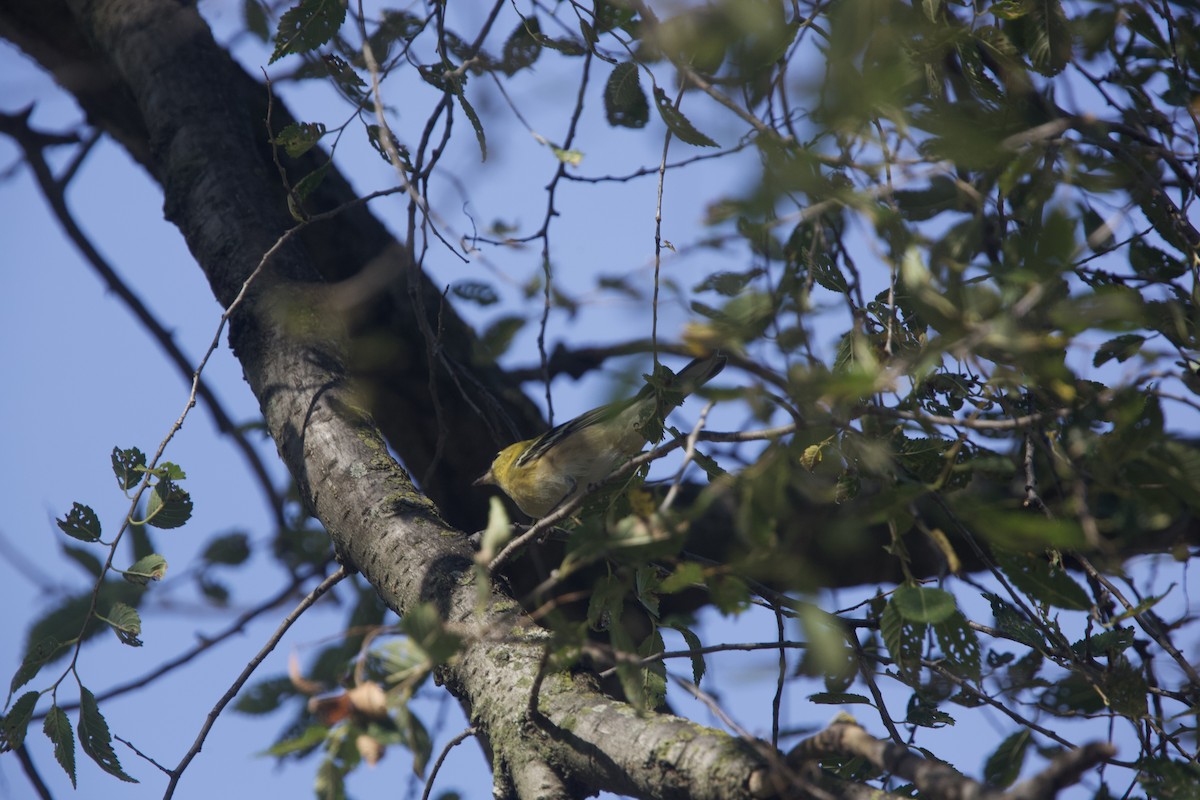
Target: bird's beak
x=486 y=479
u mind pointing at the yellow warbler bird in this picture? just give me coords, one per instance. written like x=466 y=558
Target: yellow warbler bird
x=541 y=474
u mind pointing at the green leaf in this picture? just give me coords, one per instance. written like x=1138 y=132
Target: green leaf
x=308 y=739
x=85 y=558
x=902 y=639
x=1004 y=765
x=144 y=570
x=127 y=466
x=923 y=605
x=522 y=47
x=265 y=696
x=15 y=723
x=57 y=728
x=678 y=124
x=303 y=188
x=497 y=337
x=838 y=699
x=255 y=20
x=306 y=26
x=469 y=110
x=231 y=550
x=300 y=137
x=1014 y=623
x=625 y=103
x=168 y=505
x=1034 y=575
x=416 y=738
x=497 y=533
x=685 y=576
x=604 y=606
x=427 y=630
x=35 y=658
x=126 y=624
x=344 y=75
x=80 y=523
x=477 y=292
x=697 y=658
x=1167 y=779
x=729 y=284
x=959 y=645
x=1122 y=348
x=654 y=674
x=1105 y=644
x=95 y=738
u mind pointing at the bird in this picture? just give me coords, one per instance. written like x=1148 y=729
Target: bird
x=542 y=473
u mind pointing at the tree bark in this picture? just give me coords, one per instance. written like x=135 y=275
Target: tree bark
x=207 y=149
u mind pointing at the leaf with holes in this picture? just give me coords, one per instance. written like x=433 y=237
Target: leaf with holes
x=95 y=738
x=679 y=125
x=307 y=25
x=80 y=523
x=625 y=103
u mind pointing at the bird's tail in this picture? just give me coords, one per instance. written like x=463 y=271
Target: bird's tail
x=698 y=372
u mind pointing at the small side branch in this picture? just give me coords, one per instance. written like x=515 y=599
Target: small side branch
x=937 y=780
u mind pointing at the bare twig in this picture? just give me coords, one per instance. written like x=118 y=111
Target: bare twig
x=241 y=679
x=437 y=765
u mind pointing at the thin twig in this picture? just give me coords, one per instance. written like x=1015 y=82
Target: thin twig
x=437 y=765
x=241 y=679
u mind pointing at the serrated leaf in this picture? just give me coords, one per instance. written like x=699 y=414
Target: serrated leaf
x=95 y=738
x=469 y=110
x=35 y=658
x=168 y=506
x=903 y=639
x=625 y=103
x=299 y=137
x=144 y=570
x=679 y=125
x=57 y=728
x=697 y=658
x=1014 y=623
x=126 y=623
x=15 y=723
x=959 y=645
x=810 y=457
x=303 y=188
x=1034 y=575
x=80 y=523
x=923 y=605
x=522 y=47
x=127 y=466
x=1104 y=644
x=306 y=26
x=344 y=75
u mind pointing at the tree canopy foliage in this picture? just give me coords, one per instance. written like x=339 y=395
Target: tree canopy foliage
x=949 y=249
